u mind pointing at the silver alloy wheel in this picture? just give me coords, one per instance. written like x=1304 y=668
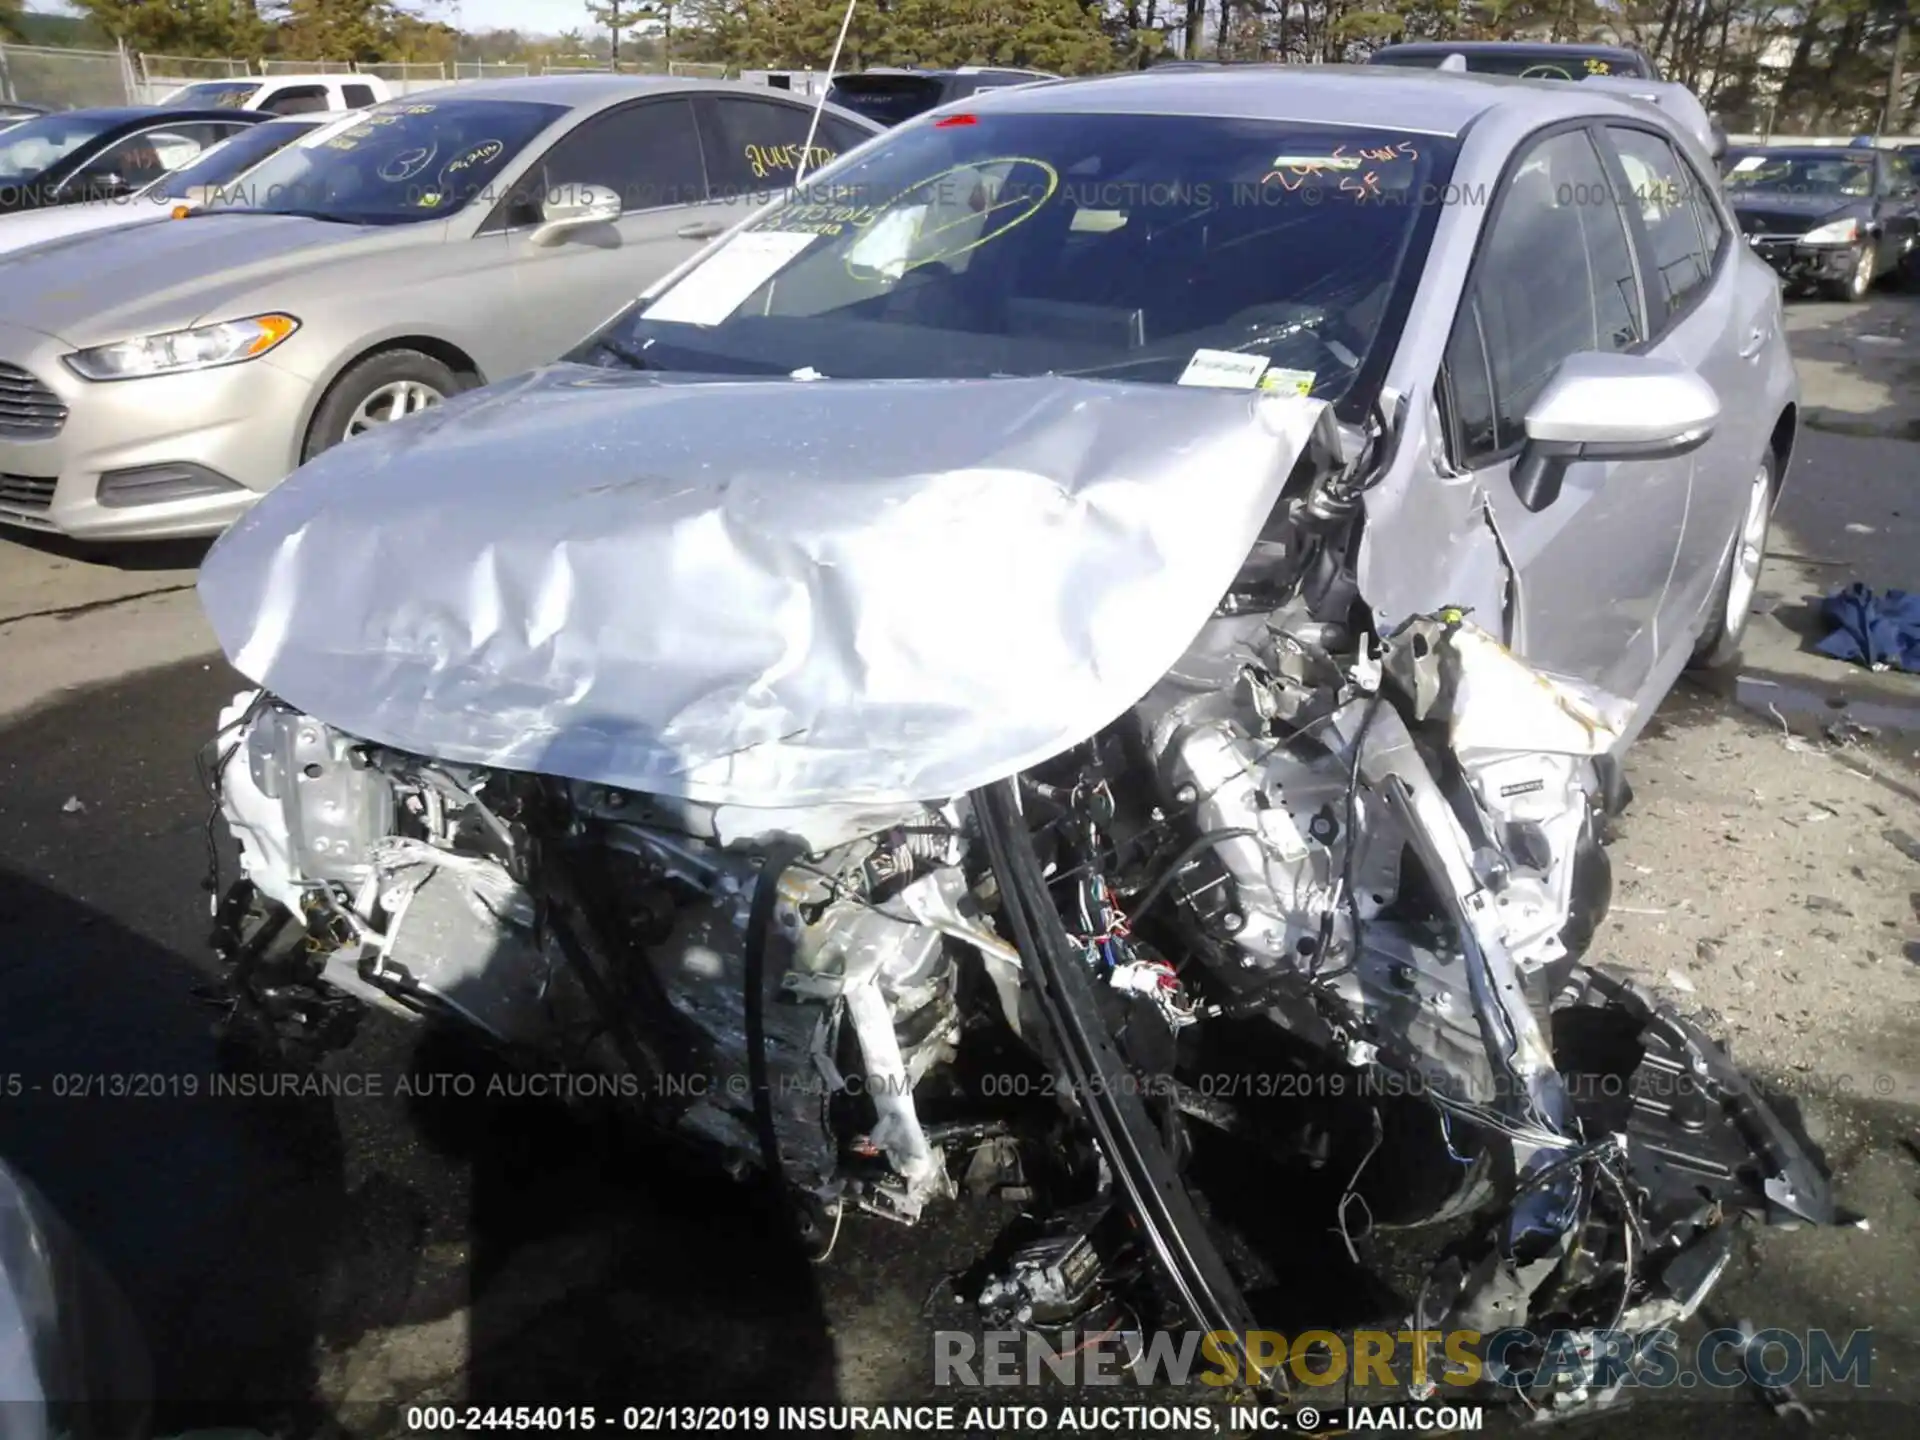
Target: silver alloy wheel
x=389 y=402
x=1749 y=551
x=1863 y=274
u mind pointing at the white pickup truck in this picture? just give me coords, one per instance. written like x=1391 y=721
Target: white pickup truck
x=283 y=94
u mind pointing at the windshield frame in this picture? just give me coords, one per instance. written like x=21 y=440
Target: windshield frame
x=615 y=339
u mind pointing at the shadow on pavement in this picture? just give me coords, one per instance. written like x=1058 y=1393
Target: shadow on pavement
x=125 y=555
x=326 y=1244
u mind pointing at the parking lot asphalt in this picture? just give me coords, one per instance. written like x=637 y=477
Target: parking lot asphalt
x=326 y=1257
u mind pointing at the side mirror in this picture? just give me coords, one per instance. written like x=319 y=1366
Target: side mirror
x=1602 y=406
x=1717 y=141
x=573 y=208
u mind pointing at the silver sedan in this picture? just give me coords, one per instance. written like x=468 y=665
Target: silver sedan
x=155 y=380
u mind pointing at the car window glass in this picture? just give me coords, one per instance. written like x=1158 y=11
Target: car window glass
x=1037 y=244
x=215 y=95
x=232 y=158
x=647 y=154
x=1554 y=277
x=296 y=100
x=886 y=99
x=357 y=96
x=140 y=160
x=757 y=145
x=402 y=162
x=1661 y=192
x=34 y=146
x=1712 y=228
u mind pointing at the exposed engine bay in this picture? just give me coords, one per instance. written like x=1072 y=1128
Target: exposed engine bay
x=1309 y=850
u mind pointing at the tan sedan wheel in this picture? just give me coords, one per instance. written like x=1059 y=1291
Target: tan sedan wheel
x=377 y=391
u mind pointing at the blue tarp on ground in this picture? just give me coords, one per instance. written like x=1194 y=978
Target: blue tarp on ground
x=1878 y=631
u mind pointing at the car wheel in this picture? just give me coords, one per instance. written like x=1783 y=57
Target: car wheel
x=1857 y=284
x=1719 y=644
x=374 y=391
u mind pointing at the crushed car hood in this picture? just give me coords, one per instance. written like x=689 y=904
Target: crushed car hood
x=105 y=285
x=763 y=592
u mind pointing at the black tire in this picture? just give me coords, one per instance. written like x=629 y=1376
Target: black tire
x=361 y=380
x=1719 y=645
x=1860 y=277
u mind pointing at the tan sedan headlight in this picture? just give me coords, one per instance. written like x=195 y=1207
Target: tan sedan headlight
x=202 y=348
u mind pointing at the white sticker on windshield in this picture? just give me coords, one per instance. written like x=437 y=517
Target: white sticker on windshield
x=1224 y=369
x=1288 y=382
x=713 y=290
x=1750 y=162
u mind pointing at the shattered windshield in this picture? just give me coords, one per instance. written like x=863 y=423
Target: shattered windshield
x=407 y=160
x=1127 y=247
x=1830 y=173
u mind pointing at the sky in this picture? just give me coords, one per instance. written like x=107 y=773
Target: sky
x=533 y=17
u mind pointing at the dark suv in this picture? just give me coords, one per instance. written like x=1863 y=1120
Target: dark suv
x=1521 y=57
x=889 y=97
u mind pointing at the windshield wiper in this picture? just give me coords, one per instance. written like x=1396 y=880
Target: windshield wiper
x=632 y=358
x=320 y=215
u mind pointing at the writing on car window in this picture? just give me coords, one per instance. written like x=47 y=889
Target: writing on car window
x=765 y=160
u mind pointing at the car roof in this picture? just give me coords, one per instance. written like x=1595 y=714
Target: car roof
x=1430 y=102
x=597 y=88
x=116 y=114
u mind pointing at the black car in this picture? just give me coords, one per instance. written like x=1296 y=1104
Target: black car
x=890 y=97
x=1833 y=218
x=77 y=155
x=1521 y=57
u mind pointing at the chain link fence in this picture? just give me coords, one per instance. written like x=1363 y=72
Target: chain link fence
x=489 y=70
x=306 y=67
x=64 y=79
x=407 y=77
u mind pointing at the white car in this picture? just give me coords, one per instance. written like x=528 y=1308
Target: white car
x=222 y=166
x=283 y=94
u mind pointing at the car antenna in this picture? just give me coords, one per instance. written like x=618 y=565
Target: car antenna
x=813 y=125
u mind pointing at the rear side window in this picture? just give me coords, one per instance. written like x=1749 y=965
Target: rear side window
x=1663 y=193
x=357 y=96
x=756 y=145
x=145 y=157
x=648 y=154
x=1554 y=277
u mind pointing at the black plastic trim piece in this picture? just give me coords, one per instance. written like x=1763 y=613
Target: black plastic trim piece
x=1102 y=1083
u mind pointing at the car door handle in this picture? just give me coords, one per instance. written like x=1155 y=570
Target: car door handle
x=1756 y=340
x=700 y=230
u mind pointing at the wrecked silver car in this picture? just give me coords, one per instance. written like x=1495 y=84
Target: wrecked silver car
x=1099 y=629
